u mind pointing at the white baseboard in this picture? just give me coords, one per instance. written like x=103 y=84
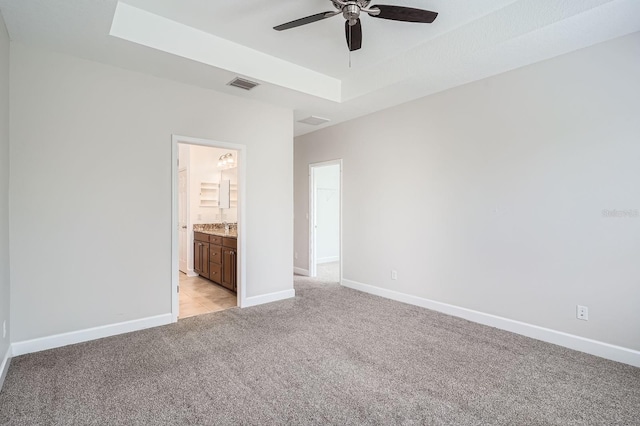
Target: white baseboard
x=571 y=341
x=4 y=366
x=328 y=259
x=64 y=339
x=268 y=298
x=301 y=271
x=191 y=273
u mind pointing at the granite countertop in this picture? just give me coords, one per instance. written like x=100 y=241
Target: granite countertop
x=217 y=229
x=232 y=233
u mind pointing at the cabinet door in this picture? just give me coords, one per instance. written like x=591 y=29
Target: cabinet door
x=201 y=258
x=204 y=256
x=228 y=268
x=197 y=257
x=234 y=269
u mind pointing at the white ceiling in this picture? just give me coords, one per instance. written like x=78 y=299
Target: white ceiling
x=320 y=46
x=208 y=42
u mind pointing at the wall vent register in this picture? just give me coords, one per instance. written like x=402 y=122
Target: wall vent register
x=241 y=83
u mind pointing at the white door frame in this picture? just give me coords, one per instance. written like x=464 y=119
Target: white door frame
x=312 y=216
x=242 y=234
x=186 y=201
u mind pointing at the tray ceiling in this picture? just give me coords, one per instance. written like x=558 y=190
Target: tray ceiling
x=309 y=69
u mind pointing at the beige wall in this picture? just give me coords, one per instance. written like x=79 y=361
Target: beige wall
x=91 y=189
x=491 y=195
x=4 y=189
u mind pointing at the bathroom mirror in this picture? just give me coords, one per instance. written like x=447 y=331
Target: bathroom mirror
x=225 y=200
x=229 y=188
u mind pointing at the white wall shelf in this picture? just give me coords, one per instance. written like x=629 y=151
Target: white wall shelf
x=233 y=195
x=209 y=194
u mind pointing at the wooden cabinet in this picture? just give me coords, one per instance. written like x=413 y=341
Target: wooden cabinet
x=229 y=263
x=215 y=272
x=215 y=258
x=201 y=254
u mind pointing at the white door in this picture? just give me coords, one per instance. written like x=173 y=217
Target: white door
x=182 y=221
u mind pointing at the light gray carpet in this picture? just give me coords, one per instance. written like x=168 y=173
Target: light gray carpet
x=330 y=356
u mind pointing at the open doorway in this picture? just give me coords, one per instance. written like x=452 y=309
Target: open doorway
x=325 y=186
x=207 y=234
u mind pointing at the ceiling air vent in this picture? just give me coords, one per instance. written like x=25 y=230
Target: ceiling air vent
x=314 y=121
x=243 y=84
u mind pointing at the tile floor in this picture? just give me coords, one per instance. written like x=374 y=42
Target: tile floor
x=200 y=296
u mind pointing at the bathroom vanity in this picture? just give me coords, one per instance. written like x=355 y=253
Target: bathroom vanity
x=215 y=255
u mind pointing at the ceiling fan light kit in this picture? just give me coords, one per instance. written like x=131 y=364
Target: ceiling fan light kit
x=351 y=10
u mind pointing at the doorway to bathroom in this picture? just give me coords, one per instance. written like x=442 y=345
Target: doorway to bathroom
x=325 y=221
x=207 y=235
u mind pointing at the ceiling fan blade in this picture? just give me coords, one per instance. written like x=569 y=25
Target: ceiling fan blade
x=401 y=13
x=306 y=20
x=354 y=35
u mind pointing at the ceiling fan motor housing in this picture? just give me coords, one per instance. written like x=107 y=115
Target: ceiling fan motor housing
x=351 y=13
x=351 y=9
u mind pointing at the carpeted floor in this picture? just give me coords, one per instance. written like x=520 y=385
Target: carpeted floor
x=330 y=356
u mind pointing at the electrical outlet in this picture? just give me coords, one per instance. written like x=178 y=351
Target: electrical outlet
x=582 y=313
x=4 y=329
x=394 y=274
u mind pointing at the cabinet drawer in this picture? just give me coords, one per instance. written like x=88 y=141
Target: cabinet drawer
x=199 y=236
x=215 y=272
x=214 y=239
x=215 y=253
x=230 y=242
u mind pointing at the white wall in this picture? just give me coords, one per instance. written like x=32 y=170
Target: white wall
x=91 y=189
x=4 y=190
x=327 y=182
x=496 y=202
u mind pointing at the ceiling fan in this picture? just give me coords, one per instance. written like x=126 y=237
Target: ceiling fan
x=351 y=9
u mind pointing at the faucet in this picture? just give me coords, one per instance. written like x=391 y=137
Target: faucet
x=226 y=227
